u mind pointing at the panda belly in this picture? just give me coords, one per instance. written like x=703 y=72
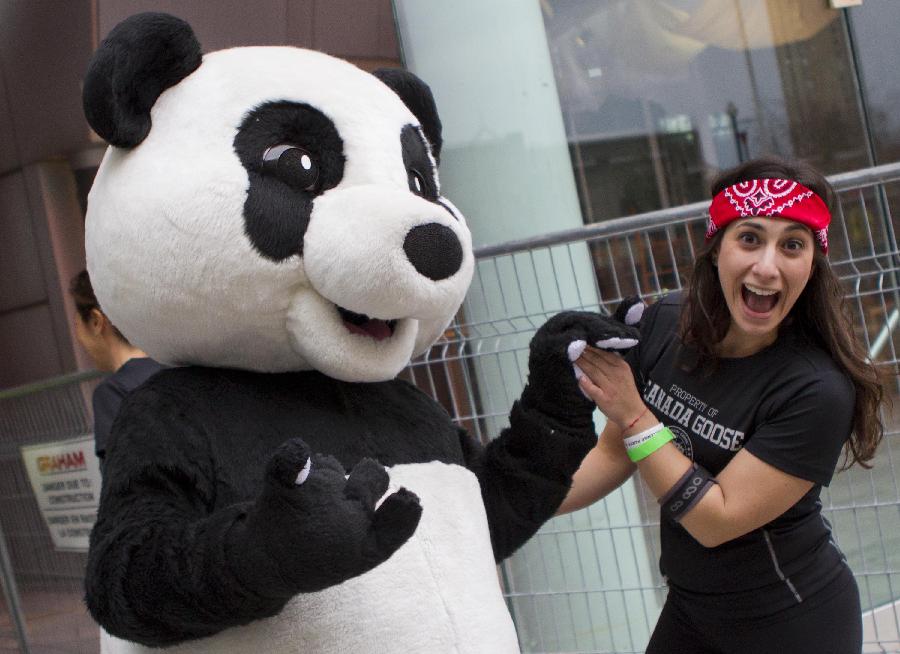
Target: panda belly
x=438 y=593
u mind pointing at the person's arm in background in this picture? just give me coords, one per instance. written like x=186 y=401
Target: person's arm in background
x=749 y=492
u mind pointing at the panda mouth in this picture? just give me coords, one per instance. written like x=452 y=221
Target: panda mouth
x=360 y=323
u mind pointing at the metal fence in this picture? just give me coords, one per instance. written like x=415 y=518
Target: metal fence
x=588 y=582
x=43 y=611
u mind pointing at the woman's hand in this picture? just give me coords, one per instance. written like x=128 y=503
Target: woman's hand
x=609 y=381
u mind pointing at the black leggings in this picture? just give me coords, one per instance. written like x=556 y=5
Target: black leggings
x=833 y=626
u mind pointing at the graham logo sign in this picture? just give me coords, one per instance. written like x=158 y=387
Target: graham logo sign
x=65 y=462
x=65 y=478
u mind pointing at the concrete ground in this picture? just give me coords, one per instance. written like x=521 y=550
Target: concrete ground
x=57 y=623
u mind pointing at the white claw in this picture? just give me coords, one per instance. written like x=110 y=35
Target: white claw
x=634 y=313
x=303 y=474
x=616 y=343
x=576 y=349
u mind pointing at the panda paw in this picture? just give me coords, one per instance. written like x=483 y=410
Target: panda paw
x=615 y=339
x=552 y=385
x=314 y=526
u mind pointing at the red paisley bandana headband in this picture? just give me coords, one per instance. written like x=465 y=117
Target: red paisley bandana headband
x=784 y=198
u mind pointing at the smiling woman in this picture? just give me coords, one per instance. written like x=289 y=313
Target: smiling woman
x=765 y=219
x=764 y=265
x=778 y=253
x=762 y=346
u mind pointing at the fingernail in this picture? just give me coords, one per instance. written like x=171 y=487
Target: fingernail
x=303 y=474
x=580 y=385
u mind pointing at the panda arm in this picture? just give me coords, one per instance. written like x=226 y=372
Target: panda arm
x=524 y=475
x=158 y=569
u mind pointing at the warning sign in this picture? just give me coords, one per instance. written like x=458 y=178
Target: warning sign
x=65 y=477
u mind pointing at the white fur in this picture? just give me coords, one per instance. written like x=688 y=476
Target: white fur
x=366 y=246
x=438 y=593
x=175 y=272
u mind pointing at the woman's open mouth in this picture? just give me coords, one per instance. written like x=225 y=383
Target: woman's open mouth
x=759 y=300
x=359 y=323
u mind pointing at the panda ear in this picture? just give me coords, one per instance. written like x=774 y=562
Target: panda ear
x=417 y=96
x=140 y=58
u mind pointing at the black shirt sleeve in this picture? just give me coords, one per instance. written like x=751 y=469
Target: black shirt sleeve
x=808 y=421
x=109 y=394
x=106 y=401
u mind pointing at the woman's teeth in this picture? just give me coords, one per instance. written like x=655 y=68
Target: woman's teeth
x=759 y=300
x=759 y=291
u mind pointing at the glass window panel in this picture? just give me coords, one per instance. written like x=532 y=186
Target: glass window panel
x=658 y=95
x=874 y=26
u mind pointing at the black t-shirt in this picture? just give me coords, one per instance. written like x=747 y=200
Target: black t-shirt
x=790 y=406
x=111 y=391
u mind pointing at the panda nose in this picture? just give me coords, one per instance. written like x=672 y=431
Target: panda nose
x=433 y=250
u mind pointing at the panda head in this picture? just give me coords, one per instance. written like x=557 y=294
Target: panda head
x=268 y=208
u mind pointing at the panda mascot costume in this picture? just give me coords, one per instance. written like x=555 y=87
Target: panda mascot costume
x=269 y=221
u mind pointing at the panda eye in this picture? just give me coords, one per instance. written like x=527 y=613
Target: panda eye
x=416 y=182
x=292 y=165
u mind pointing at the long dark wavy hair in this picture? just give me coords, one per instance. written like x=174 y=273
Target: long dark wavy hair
x=821 y=315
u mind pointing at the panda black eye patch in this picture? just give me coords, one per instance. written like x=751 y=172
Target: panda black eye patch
x=271 y=129
x=419 y=168
x=292 y=153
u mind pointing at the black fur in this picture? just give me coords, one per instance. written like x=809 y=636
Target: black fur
x=139 y=59
x=433 y=250
x=277 y=210
x=305 y=538
x=419 y=167
x=524 y=474
x=417 y=96
x=417 y=162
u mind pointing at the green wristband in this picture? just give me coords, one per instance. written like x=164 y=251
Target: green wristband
x=648 y=447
